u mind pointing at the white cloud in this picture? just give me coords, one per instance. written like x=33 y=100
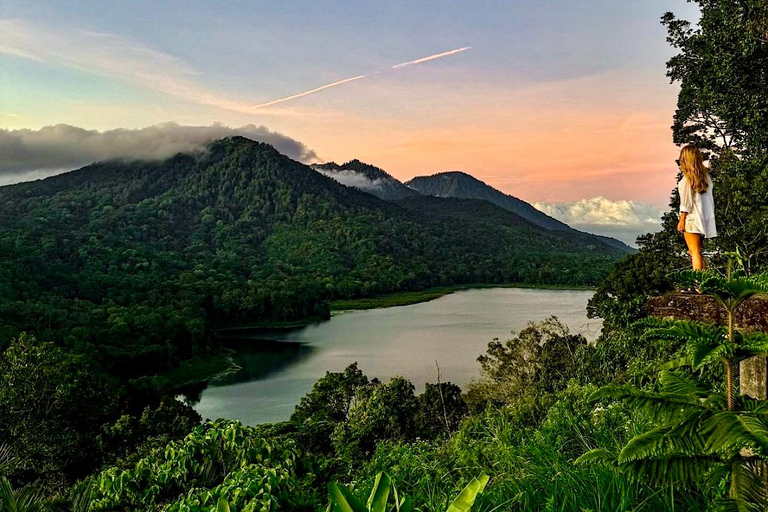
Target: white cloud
x=352 y=179
x=26 y=154
x=622 y=219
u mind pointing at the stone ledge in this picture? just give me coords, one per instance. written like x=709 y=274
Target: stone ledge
x=751 y=315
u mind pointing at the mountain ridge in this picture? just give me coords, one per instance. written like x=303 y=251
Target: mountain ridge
x=465 y=186
x=142 y=259
x=462 y=185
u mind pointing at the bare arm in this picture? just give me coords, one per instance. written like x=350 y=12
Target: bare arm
x=686 y=202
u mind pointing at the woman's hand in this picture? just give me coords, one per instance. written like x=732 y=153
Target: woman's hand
x=681 y=223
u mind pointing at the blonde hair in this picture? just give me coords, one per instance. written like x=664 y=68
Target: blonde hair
x=692 y=165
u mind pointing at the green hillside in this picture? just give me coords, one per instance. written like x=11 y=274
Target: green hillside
x=142 y=259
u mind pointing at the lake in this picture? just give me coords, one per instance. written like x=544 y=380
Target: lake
x=277 y=370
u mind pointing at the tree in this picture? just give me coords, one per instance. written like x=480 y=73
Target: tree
x=327 y=405
x=381 y=412
x=52 y=407
x=722 y=108
x=539 y=361
x=441 y=407
x=723 y=100
x=699 y=435
x=331 y=396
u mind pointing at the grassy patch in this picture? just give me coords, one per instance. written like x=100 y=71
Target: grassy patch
x=270 y=324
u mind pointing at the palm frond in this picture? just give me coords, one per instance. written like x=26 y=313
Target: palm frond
x=729 y=292
x=731 y=505
x=729 y=431
x=753 y=405
x=704 y=353
x=600 y=456
x=26 y=499
x=694 y=278
x=754 y=343
x=678 y=470
x=662 y=408
x=677 y=363
x=656 y=443
x=674 y=383
x=8 y=459
x=733 y=292
x=705 y=343
x=748 y=485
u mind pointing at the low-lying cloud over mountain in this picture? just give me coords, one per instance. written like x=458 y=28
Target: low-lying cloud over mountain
x=352 y=179
x=31 y=154
x=621 y=219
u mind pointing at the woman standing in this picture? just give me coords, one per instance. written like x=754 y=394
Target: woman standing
x=697 y=207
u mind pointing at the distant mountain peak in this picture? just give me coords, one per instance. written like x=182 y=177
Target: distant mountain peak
x=366 y=177
x=461 y=185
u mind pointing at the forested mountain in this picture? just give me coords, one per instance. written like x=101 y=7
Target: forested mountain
x=462 y=185
x=141 y=259
x=126 y=265
x=366 y=178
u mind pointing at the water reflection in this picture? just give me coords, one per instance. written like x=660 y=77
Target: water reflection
x=258 y=358
x=277 y=371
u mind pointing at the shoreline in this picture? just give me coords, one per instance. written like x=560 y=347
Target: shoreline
x=202 y=370
x=416 y=297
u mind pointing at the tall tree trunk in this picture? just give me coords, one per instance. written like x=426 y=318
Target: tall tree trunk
x=729 y=366
x=729 y=383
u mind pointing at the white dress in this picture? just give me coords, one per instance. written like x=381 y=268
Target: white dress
x=699 y=207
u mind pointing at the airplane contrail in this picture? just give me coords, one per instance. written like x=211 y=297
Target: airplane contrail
x=340 y=82
x=305 y=93
x=432 y=57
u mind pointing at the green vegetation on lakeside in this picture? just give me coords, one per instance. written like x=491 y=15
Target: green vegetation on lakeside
x=84 y=439
x=415 y=297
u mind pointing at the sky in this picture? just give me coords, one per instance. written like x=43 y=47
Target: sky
x=564 y=104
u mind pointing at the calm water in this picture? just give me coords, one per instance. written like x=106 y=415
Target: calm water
x=406 y=341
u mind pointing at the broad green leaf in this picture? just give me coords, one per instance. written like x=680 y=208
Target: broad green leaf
x=344 y=501
x=377 y=501
x=466 y=499
x=222 y=506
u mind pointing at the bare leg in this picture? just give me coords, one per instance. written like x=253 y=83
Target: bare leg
x=693 y=241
